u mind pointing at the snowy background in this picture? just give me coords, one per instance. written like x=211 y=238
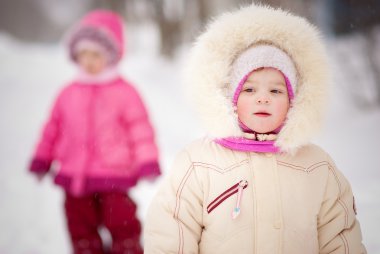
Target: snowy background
x=31 y=215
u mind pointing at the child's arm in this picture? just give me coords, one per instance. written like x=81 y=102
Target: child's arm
x=43 y=155
x=141 y=131
x=174 y=220
x=338 y=229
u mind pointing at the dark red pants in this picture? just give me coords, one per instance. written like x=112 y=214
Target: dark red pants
x=115 y=211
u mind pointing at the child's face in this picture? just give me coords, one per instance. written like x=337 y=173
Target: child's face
x=263 y=102
x=92 y=61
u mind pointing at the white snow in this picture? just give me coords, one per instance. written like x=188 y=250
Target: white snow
x=31 y=216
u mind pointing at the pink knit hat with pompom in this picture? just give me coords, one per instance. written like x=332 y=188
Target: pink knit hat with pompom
x=102 y=30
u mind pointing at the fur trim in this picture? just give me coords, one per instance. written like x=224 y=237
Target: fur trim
x=209 y=70
x=103 y=78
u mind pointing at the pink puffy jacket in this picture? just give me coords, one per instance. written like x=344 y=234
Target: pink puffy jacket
x=99 y=134
x=101 y=137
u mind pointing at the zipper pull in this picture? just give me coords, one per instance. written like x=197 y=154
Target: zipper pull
x=236 y=210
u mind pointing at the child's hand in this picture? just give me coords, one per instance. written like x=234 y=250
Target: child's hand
x=151 y=178
x=39 y=176
x=39 y=166
x=150 y=171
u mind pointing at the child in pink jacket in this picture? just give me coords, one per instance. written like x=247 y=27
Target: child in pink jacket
x=101 y=138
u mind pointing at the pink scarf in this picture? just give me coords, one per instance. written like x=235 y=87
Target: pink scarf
x=248 y=145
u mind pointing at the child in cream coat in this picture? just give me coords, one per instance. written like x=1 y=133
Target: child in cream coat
x=256 y=184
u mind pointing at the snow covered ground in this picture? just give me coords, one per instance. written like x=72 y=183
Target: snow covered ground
x=31 y=218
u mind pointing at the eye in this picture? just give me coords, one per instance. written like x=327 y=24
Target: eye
x=248 y=90
x=276 y=91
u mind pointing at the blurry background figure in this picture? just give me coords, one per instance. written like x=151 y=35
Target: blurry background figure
x=158 y=34
x=100 y=136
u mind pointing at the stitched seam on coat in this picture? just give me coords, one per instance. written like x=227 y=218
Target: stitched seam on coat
x=317 y=165
x=285 y=164
x=177 y=207
x=308 y=169
x=218 y=169
x=179 y=193
x=341 y=202
x=345 y=243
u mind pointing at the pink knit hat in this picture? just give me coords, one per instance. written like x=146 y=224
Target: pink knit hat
x=100 y=29
x=260 y=56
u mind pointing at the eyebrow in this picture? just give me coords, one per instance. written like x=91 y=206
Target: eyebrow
x=279 y=83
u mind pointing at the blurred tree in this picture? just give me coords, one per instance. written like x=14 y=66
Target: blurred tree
x=26 y=20
x=169 y=23
x=39 y=20
x=118 y=6
x=180 y=20
x=354 y=17
x=305 y=8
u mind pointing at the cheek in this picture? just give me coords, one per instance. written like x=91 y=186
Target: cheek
x=282 y=108
x=100 y=63
x=243 y=107
x=81 y=60
x=85 y=65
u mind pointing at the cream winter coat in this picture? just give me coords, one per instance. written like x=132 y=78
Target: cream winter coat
x=293 y=204
x=295 y=201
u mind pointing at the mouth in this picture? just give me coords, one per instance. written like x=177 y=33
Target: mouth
x=262 y=114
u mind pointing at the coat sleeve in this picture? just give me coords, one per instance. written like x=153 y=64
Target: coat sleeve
x=174 y=219
x=338 y=229
x=142 y=136
x=44 y=152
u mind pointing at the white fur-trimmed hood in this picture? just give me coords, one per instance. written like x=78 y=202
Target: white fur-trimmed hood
x=209 y=68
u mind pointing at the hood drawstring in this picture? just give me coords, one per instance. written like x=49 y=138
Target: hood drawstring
x=260 y=137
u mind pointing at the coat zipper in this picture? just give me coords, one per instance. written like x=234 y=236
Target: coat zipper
x=236 y=211
x=237 y=188
x=79 y=180
x=254 y=208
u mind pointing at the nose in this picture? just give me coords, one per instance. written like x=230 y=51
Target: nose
x=263 y=100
